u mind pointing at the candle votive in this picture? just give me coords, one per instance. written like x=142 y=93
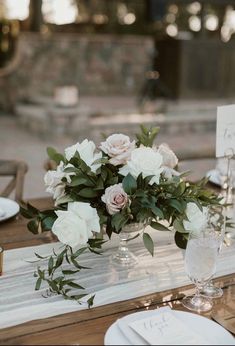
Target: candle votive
x=1 y=260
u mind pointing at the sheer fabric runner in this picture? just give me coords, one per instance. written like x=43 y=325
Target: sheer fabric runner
x=19 y=302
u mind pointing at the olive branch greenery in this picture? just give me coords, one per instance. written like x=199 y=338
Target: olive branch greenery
x=150 y=204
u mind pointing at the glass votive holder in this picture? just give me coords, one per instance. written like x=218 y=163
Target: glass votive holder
x=1 y=260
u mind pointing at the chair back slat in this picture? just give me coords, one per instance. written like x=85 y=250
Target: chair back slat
x=16 y=170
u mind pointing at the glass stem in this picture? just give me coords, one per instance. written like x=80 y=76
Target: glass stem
x=197 y=293
x=122 y=244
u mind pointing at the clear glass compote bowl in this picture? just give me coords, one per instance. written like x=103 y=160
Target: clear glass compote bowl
x=200 y=265
x=124 y=257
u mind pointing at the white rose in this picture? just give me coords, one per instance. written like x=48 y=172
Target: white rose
x=86 y=150
x=54 y=183
x=169 y=158
x=74 y=226
x=197 y=219
x=115 y=198
x=169 y=172
x=144 y=160
x=87 y=213
x=119 y=148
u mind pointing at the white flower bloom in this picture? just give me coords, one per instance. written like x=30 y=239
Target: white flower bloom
x=86 y=150
x=169 y=172
x=119 y=148
x=115 y=198
x=144 y=160
x=70 y=229
x=74 y=226
x=53 y=180
x=169 y=158
x=87 y=213
x=197 y=219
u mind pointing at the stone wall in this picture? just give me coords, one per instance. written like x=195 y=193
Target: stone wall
x=97 y=64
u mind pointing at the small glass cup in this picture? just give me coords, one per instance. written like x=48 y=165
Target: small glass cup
x=1 y=260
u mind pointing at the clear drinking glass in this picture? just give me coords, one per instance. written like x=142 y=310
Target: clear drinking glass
x=200 y=265
x=218 y=223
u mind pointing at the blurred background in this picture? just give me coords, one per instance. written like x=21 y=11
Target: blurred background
x=71 y=69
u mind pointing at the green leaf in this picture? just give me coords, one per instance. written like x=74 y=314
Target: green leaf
x=87 y=193
x=53 y=155
x=112 y=181
x=90 y=301
x=41 y=257
x=157 y=212
x=60 y=259
x=118 y=221
x=158 y=226
x=38 y=284
x=178 y=226
x=180 y=207
x=79 y=252
x=181 y=240
x=50 y=265
x=32 y=210
x=76 y=181
x=70 y=272
x=51 y=152
x=64 y=199
x=26 y=213
x=33 y=226
x=53 y=285
x=129 y=184
x=74 y=285
x=102 y=160
x=148 y=243
x=180 y=189
x=48 y=222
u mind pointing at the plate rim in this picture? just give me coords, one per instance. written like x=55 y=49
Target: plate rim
x=13 y=202
x=195 y=315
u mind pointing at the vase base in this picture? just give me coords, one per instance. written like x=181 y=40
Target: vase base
x=212 y=291
x=124 y=260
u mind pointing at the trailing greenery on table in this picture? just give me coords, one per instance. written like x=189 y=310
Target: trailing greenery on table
x=105 y=188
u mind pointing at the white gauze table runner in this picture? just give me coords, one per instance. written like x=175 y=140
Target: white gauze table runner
x=19 y=302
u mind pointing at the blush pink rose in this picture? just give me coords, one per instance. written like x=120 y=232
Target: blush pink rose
x=115 y=198
x=118 y=147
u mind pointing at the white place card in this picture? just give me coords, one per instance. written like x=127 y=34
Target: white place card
x=225 y=131
x=166 y=329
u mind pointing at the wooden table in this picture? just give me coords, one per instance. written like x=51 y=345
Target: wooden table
x=88 y=327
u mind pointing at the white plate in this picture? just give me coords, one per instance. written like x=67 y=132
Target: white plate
x=214 y=333
x=10 y=207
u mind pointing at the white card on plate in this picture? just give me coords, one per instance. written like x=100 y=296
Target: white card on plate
x=129 y=333
x=225 y=131
x=166 y=329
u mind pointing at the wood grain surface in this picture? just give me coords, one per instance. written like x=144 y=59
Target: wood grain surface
x=88 y=327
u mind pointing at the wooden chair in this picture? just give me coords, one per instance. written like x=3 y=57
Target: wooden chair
x=16 y=170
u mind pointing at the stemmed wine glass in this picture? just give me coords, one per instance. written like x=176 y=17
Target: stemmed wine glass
x=200 y=265
x=217 y=221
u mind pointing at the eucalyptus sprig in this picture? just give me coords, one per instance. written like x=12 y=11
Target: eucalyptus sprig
x=60 y=280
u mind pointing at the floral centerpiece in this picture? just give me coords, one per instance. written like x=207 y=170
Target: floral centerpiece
x=118 y=183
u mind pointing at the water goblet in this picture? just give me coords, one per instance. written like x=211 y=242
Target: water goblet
x=217 y=222
x=200 y=266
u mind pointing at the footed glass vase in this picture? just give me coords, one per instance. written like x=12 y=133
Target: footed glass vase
x=124 y=257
